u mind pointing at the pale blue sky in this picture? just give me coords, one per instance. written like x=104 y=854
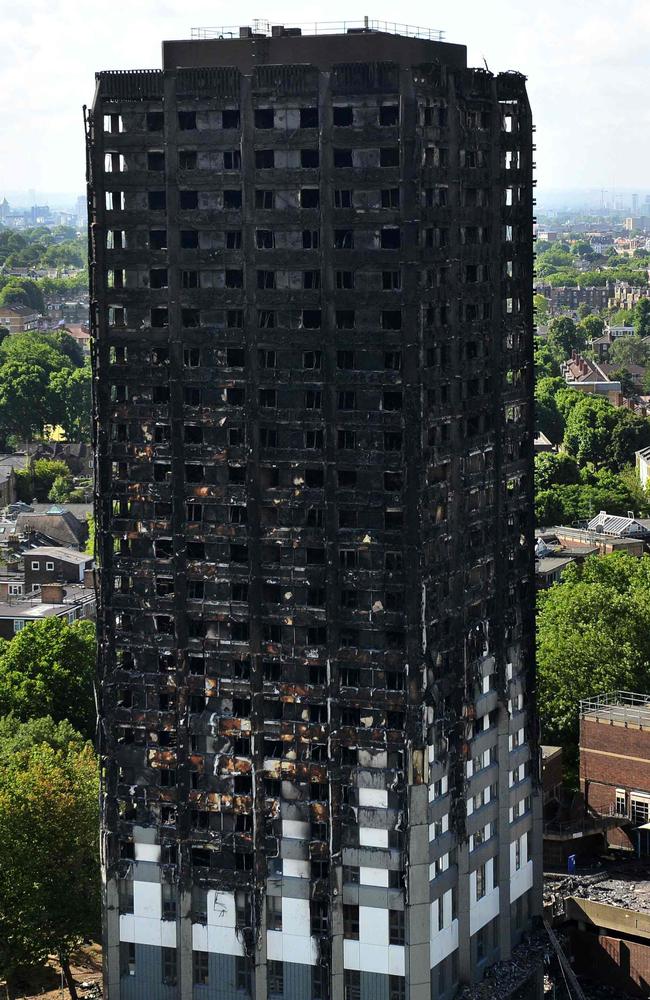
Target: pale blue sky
x=587 y=62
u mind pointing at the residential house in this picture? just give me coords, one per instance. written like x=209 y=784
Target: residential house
x=615 y=761
x=570 y=298
x=643 y=465
x=81 y=333
x=601 y=345
x=73 y=602
x=590 y=376
x=18 y=319
x=53 y=564
x=542 y=443
x=626 y=296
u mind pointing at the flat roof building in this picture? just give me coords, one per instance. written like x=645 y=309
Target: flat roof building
x=311 y=305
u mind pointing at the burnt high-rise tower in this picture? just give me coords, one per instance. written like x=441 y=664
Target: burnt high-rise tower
x=311 y=263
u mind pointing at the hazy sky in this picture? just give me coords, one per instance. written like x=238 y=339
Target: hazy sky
x=587 y=63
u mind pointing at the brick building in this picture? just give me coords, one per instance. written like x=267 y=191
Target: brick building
x=18 y=319
x=312 y=316
x=615 y=760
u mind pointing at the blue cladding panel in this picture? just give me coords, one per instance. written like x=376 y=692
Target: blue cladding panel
x=374 y=986
x=147 y=981
x=222 y=980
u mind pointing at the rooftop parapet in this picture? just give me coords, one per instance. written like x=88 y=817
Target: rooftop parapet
x=264 y=29
x=618 y=708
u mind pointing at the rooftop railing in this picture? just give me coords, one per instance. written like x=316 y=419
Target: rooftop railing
x=266 y=29
x=619 y=706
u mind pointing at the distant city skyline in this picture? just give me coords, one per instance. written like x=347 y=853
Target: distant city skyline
x=550 y=199
x=584 y=62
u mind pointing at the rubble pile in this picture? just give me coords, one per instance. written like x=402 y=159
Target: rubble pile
x=503 y=979
x=625 y=884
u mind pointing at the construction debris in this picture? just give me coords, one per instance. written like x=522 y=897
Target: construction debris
x=625 y=884
x=506 y=978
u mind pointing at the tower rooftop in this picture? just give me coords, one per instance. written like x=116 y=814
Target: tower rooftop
x=320 y=43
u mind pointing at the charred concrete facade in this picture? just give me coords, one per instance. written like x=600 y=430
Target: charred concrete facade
x=311 y=270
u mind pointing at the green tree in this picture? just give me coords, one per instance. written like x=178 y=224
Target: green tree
x=61 y=489
x=563 y=279
x=642 y=318
x=48 y=669
x=545 y=364
x=65 y=255
x=593 y=636
x=564 y=337
x=548 y=418
x=72 y=390
x=70 y=347
x=555 y=470
x=36 y=481
x=551 y=260
x=599 y=433
x=577 y=503
x=17 y=736
x=628 y=385
x=49 y=857
x=26 y=402
x=90 y=544
x=582 y=249
x=540 y=304
x=23 y=292
x=628 y=351
x=38 y=348
x=591 y=327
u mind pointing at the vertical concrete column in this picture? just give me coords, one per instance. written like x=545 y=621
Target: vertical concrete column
x=465 y=969
x=503 y=857
x=418 y=907
x=184 y=943
x=111 y=939
x=328 y=297
x=260 y=992
x=253 y=503
x=184 y=958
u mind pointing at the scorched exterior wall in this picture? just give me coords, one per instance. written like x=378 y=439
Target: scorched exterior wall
x=312 y=348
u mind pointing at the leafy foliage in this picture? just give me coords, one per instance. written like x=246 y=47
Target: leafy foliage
x=642 y=318
x=41 y=383
x=548 y=417
x=564 y=337
x=48 y=669
x=578 y=502
x=545 y=364
x=592 y=637
x=604 y=435
x=591 y=327
x=22 y=292
x=72 y=391
x=49 y=858
x=36 y=481
x=553 y=469
x=629 y=351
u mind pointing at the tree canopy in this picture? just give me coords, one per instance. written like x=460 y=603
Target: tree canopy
x=564 y=337
x=642 y=318
x=41 y=382
x=48 y=669
x=49 y=857
x=592 y=637
x=629 y=350
x=602 y=434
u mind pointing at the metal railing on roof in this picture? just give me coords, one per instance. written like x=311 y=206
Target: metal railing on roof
x=619 y=706
x=266 y=29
